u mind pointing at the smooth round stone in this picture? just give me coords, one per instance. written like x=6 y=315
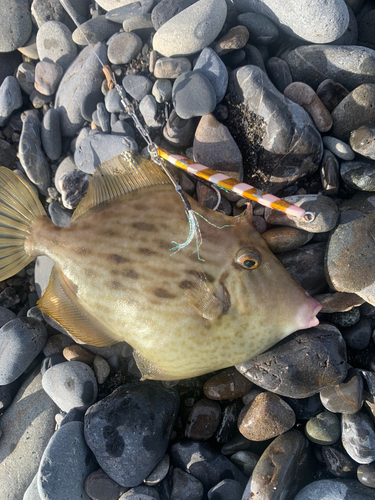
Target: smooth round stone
x=137 y=86
x=83 y=79
x=213 y=68
x=358 y=336
x=192 y=29
x=334 y=489
x=124 y=47
x=338 y=148
x=159 y=472
x=140 y=24
x=50 y=361
x=362 y=141
x=234 y=39
x=262 y=30
x=98 y=148
x=178 y=131
x=357 y=109
x=162 y=90
x=193 y=95
x=339 y=464
x=38 y=100
x=324 y=208
x=71 y=385
x=204 y=463
x=203 y=420
x=283 y=466
x=99 y=486
x=101 y=369
x=171 y=67
x=227 y=488
x=76 y=352
x=305 y=96
x=267 y=416
x=21 y=340
x=331 y=93
x=366 y=475
x=94 y=30
x=283 y=239
x=25 y=76
x=279 y=73
x=245 y=461
x=349 y=65
x=148 y=109
x=323 y=429
x=27 y=426
x=186 y=486
x=61 y=473
x=358 y=437
x=308 y=363
x=358 y=174
x=237 y=443
x=10 y=98
x=346 y=397
x=228 y=384
x=47 y=77
x=56 y=344
x=54 y=42
x=15 y=24
x=128 y=453
x=215 y=147
x=50 y=134
x=338 y=302
x=112 y=101
x=309 y=20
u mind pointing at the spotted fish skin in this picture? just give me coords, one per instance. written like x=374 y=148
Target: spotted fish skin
x=120 y=273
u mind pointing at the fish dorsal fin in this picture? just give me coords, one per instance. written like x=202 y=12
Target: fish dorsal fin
x=57 y=303
x=122 y=174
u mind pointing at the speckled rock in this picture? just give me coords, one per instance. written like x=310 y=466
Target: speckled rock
x=358 y=174
x=10 y=98
x=178 y=36
x=15 y=24
x=126 y=453
x=308 y=363
x=283 y=239
x=358 y=437
x=54 y=42
x=73 y=187
x=324 y=429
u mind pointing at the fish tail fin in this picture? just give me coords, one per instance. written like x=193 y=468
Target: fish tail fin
x=19 y=206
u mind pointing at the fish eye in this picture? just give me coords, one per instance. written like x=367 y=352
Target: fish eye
x=248 y=259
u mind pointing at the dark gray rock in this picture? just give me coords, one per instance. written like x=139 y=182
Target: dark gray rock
x=162 y=90
x=204 y=463
x=336 y=489
x=331 y=93
x=365 y=31
x=290 y=146
x=124 y=47
x=213 y=68
x=88 y=105
x=279 y=73
x=358 y=437
x=59 y=216
x=100 y=486
x=329 y=173
x=305 y=408
x=50 y=134
x=15 y=24
x=10 y=98
x=203 y=420
x=94 y=30
x=159 y=472
x=54 y=42
x=9 y=61
x=178 y=131
x=73 y=186
x=227 y=488
x=50 y=361
x=166 y=9
x=366 y=475
x=358 y=336
x=193 y=95
x=262 y=30
x=21 y=340
x=61 y=473
x=338 y=463
x=83 y=78
x=71 y=385
x=127 y=453
x=338 y=148
x=112 y=101
x=362 y=141
x=137 y=86
x=186 y=486
x=309 y=362
x=359 y=174
x=122 y=128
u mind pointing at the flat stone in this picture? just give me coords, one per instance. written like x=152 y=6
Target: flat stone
x=15 y=24
x=26 y=426
x=213 y=68
x=358 y=174
x=302 y=366
x=54 y=42
x=124 y=47
x=350 y=65
x=203 y=420
x=284 y=239
x=331 y=93
x=193 y=95
x=334 y=489
x=171 y=67
x=61 y=473
x=50 y=134
x=228 y=384
x=338 y=301
x=185 y=33
x=94 y=30
x=346 y=397
x=362 y=141
x=10 y=98
x=324 y=429
x=266 y=417
x=71 y=385
x=126 y=453
x=21 y=340
x=358 y=437
x=76 y=352
x=166 y=9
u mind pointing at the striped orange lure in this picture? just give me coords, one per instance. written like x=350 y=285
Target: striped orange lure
x=230 y=184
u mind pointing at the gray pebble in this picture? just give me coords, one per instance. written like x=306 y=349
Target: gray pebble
x=234 y=40
x=245 y=461
x=279 y=73
x=129 y=10
x=50 y=134
x=71 y=385
x=25 y=77
x=112 y=101
x=162 y=90
x=122 y=128
x=21 y=341
x=38 y=100
x=47 y=10
x=10 y=98
x=140 y=25
x=15 y=24
x=358 y=437
x=95 y=30
x=186 y=486
x=338 y=148
x=335 y=489
x=56 y=344
x=346 y=397
x=65 y=464
x=227 y=488
x=101 y=369
x=47 y=77
x=213 y=68
x=100 y=486
x=171 y=67
x=32 y=492
x=124 y=47
x=103 y=117
x=262 y=30
x=148 y=109
x=193 y=95
x=54 y=42
x=166 y=9
x=178 y=131
x=358 y=174
x=5 y=316
x=159 y=472
x=331 y=93
x=74 y=186
x=137 y=86
x=59 y=216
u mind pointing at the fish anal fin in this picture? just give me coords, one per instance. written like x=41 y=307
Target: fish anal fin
x=203 y=299
x=118 y=176
x=57 y=303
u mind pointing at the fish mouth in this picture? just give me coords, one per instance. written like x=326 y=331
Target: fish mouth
x=306 y=317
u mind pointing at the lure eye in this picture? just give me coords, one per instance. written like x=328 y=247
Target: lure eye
x=248 y=259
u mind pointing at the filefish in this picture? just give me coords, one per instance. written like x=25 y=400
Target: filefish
x=116 y=279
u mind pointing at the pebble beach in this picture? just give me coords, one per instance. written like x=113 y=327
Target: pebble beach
x=279 y=94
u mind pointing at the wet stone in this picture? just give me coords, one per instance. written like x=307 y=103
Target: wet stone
x=108 y=427
x=213 y=68
x=305 y=408
x=227 y=488
x=266 y=417
x=338 y=463
x=362 y=141
x=324 y=429
x=54 y=42
x=10 y=98
x=329 y=173
x=228 y=426
x=338 y=148
x=279 y=73
x=73 y=186
x=171 y=67
x=358 y=437
x=237 y=443
x=203 y=420
x=358 y=336
x=302 y=366
x=245 y=461
x=346 y=397
x=99 y=486
x=335 y=489
x=234 y=39
x=284 y=239
x=124 y=47
x=71 y=385
x=358 y=174
x=366 y=475
x=228 y=384
x=193 y=95
x=186 y=486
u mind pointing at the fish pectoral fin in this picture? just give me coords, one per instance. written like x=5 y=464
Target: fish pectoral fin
x=205 y=301
x=57 y=302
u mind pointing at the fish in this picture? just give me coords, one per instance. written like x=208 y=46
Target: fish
x=186 y=311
